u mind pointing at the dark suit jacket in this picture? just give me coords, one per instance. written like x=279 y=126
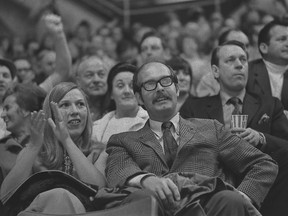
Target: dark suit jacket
x=258 y=81
x=275 y=128
x=205 y=148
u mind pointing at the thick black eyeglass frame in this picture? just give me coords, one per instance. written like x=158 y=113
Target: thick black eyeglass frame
x=156 y=83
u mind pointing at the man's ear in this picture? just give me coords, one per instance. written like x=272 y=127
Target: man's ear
x=215 y=71
x=139 y=98
x=263 y=48
x=177 y=89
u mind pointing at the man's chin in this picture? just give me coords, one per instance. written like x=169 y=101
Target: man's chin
x=96 y=93
x=164 y=107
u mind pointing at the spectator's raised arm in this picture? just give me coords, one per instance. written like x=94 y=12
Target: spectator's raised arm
x=63 y=62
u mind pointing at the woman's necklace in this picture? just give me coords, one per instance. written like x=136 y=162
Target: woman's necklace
x=68 y=166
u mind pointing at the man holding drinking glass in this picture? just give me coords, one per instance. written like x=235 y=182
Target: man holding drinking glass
x=267 y=125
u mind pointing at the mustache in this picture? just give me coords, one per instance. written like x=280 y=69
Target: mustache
x=98 y=84
x=160 y=95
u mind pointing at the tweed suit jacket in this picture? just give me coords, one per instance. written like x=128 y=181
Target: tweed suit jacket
x=275 y=127
x=205 y=148
x=258 y=81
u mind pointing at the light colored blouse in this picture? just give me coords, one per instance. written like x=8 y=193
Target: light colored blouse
x=105 y=127
x=109 y=125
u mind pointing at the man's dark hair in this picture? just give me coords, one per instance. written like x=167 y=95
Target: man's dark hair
x=264 y=35
x=215 y=52
x=10 y=65
x=152 y=34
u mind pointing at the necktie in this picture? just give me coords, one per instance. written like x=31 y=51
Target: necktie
x=236 y=103
x=170 y=144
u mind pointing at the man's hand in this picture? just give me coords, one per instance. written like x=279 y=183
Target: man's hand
x=248 y=134
x=165 y=188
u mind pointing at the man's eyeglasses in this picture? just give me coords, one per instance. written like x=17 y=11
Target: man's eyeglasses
x=152 y=85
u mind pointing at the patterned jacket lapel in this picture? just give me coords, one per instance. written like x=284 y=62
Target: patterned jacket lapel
x=148 y=138
x=186 y=131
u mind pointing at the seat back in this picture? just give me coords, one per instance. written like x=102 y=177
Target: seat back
x=143 y=207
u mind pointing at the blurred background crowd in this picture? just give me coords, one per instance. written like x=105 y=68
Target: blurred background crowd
x=113 y=32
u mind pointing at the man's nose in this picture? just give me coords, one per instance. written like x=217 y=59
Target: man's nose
x=238 y=63
x=96 y=77
x=159 y=86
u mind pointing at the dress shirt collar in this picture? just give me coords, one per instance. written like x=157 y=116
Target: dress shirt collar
x=225 y=97
x=156 y=125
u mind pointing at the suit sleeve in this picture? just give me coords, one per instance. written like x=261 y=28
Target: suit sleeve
x=277 y=140
x=258 y=171
x=279 y=123
x=120 y=165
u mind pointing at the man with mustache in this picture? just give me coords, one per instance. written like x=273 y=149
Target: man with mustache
x=91 y=76
x=269 y=76
x=187 y=164
x=267 y=125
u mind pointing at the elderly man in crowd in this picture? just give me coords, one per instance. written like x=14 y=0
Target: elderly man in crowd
x=186 y=163
x=91 y=76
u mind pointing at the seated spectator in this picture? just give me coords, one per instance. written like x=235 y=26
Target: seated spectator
x=62 y=144
x=18 y=102
x=124 y=112
x=267 y=125
x=91 y=77
x=188 y=46
x=183 y=161
x=25 y=73
x=153 y=46
x=208 y=80
x=184 y=73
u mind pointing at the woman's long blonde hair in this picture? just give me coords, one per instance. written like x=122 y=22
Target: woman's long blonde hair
x=52 y=151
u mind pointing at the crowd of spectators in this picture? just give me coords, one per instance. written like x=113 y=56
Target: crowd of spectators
x=90 y=83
